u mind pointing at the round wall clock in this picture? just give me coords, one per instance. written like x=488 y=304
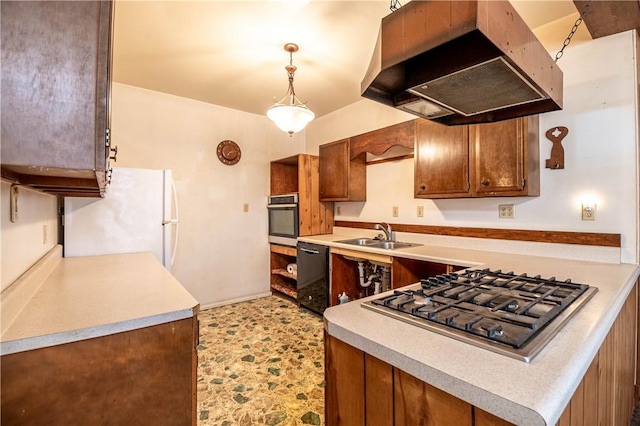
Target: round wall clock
x=228 y=152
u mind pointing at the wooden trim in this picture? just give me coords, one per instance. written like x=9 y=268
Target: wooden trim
x=286 y=250
x=362 y=255
x=386 y=160
x=380 y=141
x=561 y=237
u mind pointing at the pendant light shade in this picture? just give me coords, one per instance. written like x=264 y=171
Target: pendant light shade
x=290 y=115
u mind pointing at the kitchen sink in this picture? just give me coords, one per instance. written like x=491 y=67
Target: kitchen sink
x=390 y=245
x=359 y=241
x=382 y=244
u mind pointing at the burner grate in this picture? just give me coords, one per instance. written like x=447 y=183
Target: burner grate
x=503 y=311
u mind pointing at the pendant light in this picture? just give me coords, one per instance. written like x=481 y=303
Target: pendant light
x=290 y=115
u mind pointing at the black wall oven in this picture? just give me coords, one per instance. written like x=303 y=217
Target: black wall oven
x=283 y=219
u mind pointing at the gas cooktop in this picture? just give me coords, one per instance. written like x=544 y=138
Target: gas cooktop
x=515 y=315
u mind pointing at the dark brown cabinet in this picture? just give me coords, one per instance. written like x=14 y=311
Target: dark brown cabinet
x=441 y=160
x=143 y=376
x=363 y=390
x=342 y=178
x=481 y=160
x=343 y=163
x=505 y=158
x=55 y=95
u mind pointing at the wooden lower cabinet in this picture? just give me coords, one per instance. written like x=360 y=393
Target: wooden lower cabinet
x=403 y=271
x=344 y=377
x=606 y=394
x=419 y=403
x=281 y=280
x=139 y=377
x=364 y=390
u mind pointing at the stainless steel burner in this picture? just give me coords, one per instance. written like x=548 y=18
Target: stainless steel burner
x=515 y=315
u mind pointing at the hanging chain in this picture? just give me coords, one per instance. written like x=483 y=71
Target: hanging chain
x=572 y=32
x=395 y=5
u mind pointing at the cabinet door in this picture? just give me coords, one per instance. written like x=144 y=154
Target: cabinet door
x=497 y=150
x=418 y=403
x=378 y=391
x=345 y=387
x=117 y=379
x=55 y=89
x=441 y=160
x=334 y=170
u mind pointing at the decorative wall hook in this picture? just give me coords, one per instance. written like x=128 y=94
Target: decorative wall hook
x=555 y=135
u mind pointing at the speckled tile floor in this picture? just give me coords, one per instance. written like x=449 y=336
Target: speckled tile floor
x=260 y=362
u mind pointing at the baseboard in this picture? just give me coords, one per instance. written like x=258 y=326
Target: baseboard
x=231 y=302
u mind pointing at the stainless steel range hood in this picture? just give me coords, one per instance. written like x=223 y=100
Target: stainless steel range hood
x=462 y=62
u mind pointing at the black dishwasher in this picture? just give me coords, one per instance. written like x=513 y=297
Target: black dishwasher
x=313 y=276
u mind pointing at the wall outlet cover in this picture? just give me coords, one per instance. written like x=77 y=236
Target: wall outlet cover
x=506 y=211
x=588 y=212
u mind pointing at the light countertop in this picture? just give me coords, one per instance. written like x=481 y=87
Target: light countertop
x=87 y=297
x=533 y=393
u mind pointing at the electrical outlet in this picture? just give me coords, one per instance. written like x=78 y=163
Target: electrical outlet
x=506 y=211
x=588 y=212
x=338 y=210
x=245 y=207
x=44 y=234
x=395 y=211
x=420 y=211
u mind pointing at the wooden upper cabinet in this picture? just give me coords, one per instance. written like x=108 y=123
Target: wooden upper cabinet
x=299 y=174
x=341 y=177
x=55 y=92
x=481 y=160
x=441 y=160
x=343 y=172
x=505 y=158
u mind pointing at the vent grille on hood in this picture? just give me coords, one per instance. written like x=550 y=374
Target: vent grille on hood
x=461 y=62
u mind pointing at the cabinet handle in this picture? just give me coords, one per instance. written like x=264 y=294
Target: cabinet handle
x=423 y=187
x=115 y=153
x=484 y=182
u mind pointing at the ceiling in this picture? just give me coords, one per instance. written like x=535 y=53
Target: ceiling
x=230 y=53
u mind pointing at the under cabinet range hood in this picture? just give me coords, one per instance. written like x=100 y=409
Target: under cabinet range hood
x=462 y=62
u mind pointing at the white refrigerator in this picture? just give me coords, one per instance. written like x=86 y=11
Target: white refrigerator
x=138 y=213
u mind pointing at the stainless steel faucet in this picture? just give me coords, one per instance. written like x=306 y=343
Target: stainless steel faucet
x=388 y=232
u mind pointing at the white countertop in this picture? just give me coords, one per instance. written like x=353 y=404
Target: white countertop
x=87 y=297
x=532 y=393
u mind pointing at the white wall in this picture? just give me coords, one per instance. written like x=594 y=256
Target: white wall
x=23 y=242
x=600 y=156
x=222 y=254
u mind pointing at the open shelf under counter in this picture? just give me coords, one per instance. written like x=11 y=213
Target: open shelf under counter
x=281 y=280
